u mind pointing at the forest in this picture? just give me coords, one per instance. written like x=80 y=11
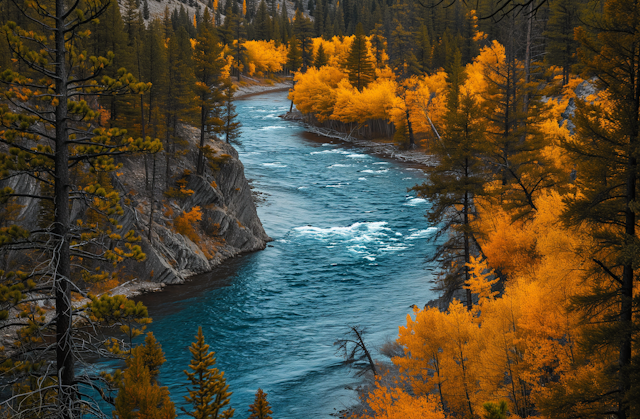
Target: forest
x=530 y=111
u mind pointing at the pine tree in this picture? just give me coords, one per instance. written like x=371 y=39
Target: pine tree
x=561 y=43
x=262 y=23
x=401 y=55
x=238 y=34
x=178 y=100
x=303 y=30
x=51 y=133
x=294 y=57
x=230 y=126
x=318 y=19
x=145 y=10
x=321 y=58
x=209 y=393
x=424 y=49
x=260 y=408
x=455 y=181
x=605 y=151
x=209 y=63
x=139 y=395
x=358 y=65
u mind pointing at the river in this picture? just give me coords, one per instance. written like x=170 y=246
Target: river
x=349 y=247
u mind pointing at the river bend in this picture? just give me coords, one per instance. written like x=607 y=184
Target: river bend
x=349 y=244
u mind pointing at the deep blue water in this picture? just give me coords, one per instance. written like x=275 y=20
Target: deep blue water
x=349 y=248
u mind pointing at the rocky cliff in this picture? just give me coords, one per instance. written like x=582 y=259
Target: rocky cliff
x=228 y=225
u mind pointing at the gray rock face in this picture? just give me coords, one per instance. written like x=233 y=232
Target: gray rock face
x=229 y=226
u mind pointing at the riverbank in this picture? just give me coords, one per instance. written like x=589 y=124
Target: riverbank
x=252 y=86
x=382 y=147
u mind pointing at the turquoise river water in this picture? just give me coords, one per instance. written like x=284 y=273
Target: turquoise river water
x=349 y=247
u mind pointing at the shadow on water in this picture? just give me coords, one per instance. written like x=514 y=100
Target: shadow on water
x=177 y=297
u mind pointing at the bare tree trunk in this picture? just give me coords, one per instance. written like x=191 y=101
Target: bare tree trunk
x=527 y=57
x=153 y=196
x=65 y=368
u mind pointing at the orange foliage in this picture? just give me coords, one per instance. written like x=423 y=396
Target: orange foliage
x=510 y=347
x=395 y=403
x=185 y=223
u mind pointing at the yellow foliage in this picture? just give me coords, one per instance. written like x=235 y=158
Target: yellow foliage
x=264 y=56
x=315 y=91
x=374 y=102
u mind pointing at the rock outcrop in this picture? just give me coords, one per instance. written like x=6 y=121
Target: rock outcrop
x=229 y=223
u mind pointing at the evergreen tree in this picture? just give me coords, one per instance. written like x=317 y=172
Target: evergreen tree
x=139 y=395
x=239 y=34
x=561 y=43
x=178 y=100
x=321 y=58
x=294 y=57
x=145 y=10
x=260 y=408
x=262 y=23
x=285 y=25
x=155 y=72
x=111 y=36
x=303 y=30
x=424 y=49
x=605 y=151
x=318 y=18
x=377 y=43
x=51 y=135
x=402 y=58
x=209 y=393
x=455 y=181
x=360 y=69
x=230 y=126
x=209 y=63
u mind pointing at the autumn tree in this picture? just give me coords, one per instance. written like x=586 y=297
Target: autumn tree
x=513 y=110
x=51 y=130
x=140 y=396
x=260 y=408
x=209 y=393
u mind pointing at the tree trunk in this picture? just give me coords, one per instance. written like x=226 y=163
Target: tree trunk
x=153 y=187
x=467 y=247
x=200 y=162
x=65 y=367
